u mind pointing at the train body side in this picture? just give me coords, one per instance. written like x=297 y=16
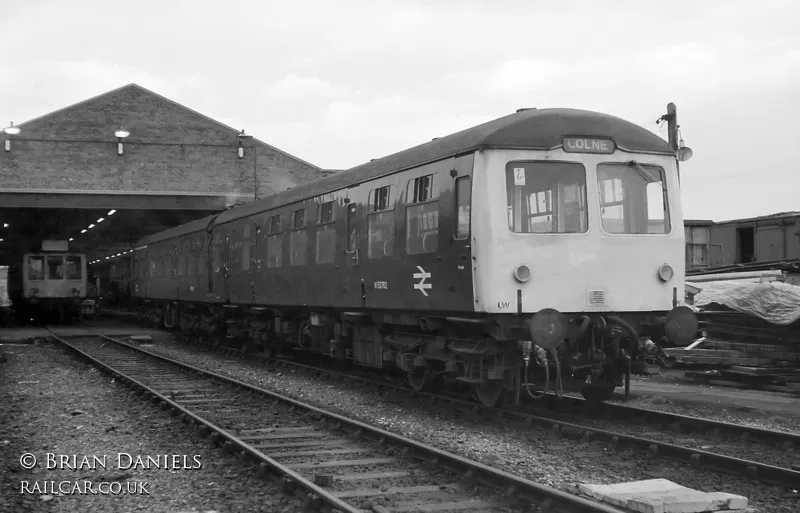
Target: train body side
x=358 y=254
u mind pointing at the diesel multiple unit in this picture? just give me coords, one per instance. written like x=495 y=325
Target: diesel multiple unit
x=546 y=240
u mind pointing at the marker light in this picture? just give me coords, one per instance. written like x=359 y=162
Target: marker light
x=91 y=226
x=522 y=273
x=665 y=272
x=111 y=212
x=83 y=231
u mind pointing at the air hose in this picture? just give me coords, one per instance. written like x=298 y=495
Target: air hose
x=541 y=358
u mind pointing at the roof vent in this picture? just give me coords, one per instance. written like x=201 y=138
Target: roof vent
x=526 y=108
x=434 y=138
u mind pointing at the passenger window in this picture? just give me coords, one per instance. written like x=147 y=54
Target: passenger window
x=422 y=216
x=352 y=228
x=463 y=206
x=326 y=233
x=36 y=268
x=55 y=267
x=74 y=268
x=380 y=223
x=298 y=238
x=274 y=242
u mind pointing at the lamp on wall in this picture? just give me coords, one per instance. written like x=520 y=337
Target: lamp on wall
x=684 y=152
x=10 y=130
x=120 y=135
x=242 y=137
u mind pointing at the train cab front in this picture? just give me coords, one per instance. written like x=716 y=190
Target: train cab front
x=588 y=247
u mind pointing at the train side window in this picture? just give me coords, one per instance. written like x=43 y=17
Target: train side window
x=422 y=216
x=55 y=267
x=351 y=228
x=36 y=268
x=274 y=242
x=380 y=223
x=326 y=233
x=298 y=238
x=463 y=206
x=74 y=270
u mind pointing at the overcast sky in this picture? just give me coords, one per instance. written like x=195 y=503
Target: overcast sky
x=340 y=82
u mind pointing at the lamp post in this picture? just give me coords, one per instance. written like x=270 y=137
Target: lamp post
x=120 y=135
x=10 y=130
x=242 y=137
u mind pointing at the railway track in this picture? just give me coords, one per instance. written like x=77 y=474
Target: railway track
x=701 y=443
x=337 y=464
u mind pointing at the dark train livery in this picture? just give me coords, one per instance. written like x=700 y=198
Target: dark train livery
x=48 y=285
x=549 y=235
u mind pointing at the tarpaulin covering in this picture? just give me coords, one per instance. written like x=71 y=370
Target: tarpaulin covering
x=775 y=302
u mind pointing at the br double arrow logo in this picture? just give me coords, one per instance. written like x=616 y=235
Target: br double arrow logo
x=422 y=275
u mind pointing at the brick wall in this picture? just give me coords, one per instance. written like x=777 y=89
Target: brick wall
x=171 y=149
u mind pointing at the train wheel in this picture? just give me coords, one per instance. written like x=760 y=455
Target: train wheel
x=421 y=378
x=490 y=393
x=598 y=394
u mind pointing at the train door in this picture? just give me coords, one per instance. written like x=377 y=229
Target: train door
x=226 y=265
x=253 y=234
x=352 y=263
x=456 y=217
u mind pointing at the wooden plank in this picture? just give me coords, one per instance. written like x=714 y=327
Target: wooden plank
x=314 y=443
x=299 y=454
x=345 y=463
x=708 y=360
x=364 y=476
x=395 y=490
x=285 y=436
x=744 y=346
x=292 y=429
x=474 y=505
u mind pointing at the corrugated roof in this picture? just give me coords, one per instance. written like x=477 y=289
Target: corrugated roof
x=528 y=129
x=768 y=217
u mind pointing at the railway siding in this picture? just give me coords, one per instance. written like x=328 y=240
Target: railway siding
x=94 y=416
x=533 y=453
x=237 y=401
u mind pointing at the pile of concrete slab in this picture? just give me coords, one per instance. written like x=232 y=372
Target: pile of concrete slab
x=664 y=496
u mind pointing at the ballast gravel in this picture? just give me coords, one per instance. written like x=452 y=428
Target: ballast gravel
x=51 y=402
x=531 y=453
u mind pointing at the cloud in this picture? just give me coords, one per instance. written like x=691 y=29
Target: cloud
x=298 y=88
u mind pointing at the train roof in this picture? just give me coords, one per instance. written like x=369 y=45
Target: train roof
x=536 y=129
x=539 y=129
x=198 y=225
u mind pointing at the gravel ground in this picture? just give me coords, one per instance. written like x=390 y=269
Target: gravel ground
x=743 y=415
x=53 y=403
x=532 y=454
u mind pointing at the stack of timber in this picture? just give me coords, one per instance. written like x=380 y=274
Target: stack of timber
x=742 y=350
